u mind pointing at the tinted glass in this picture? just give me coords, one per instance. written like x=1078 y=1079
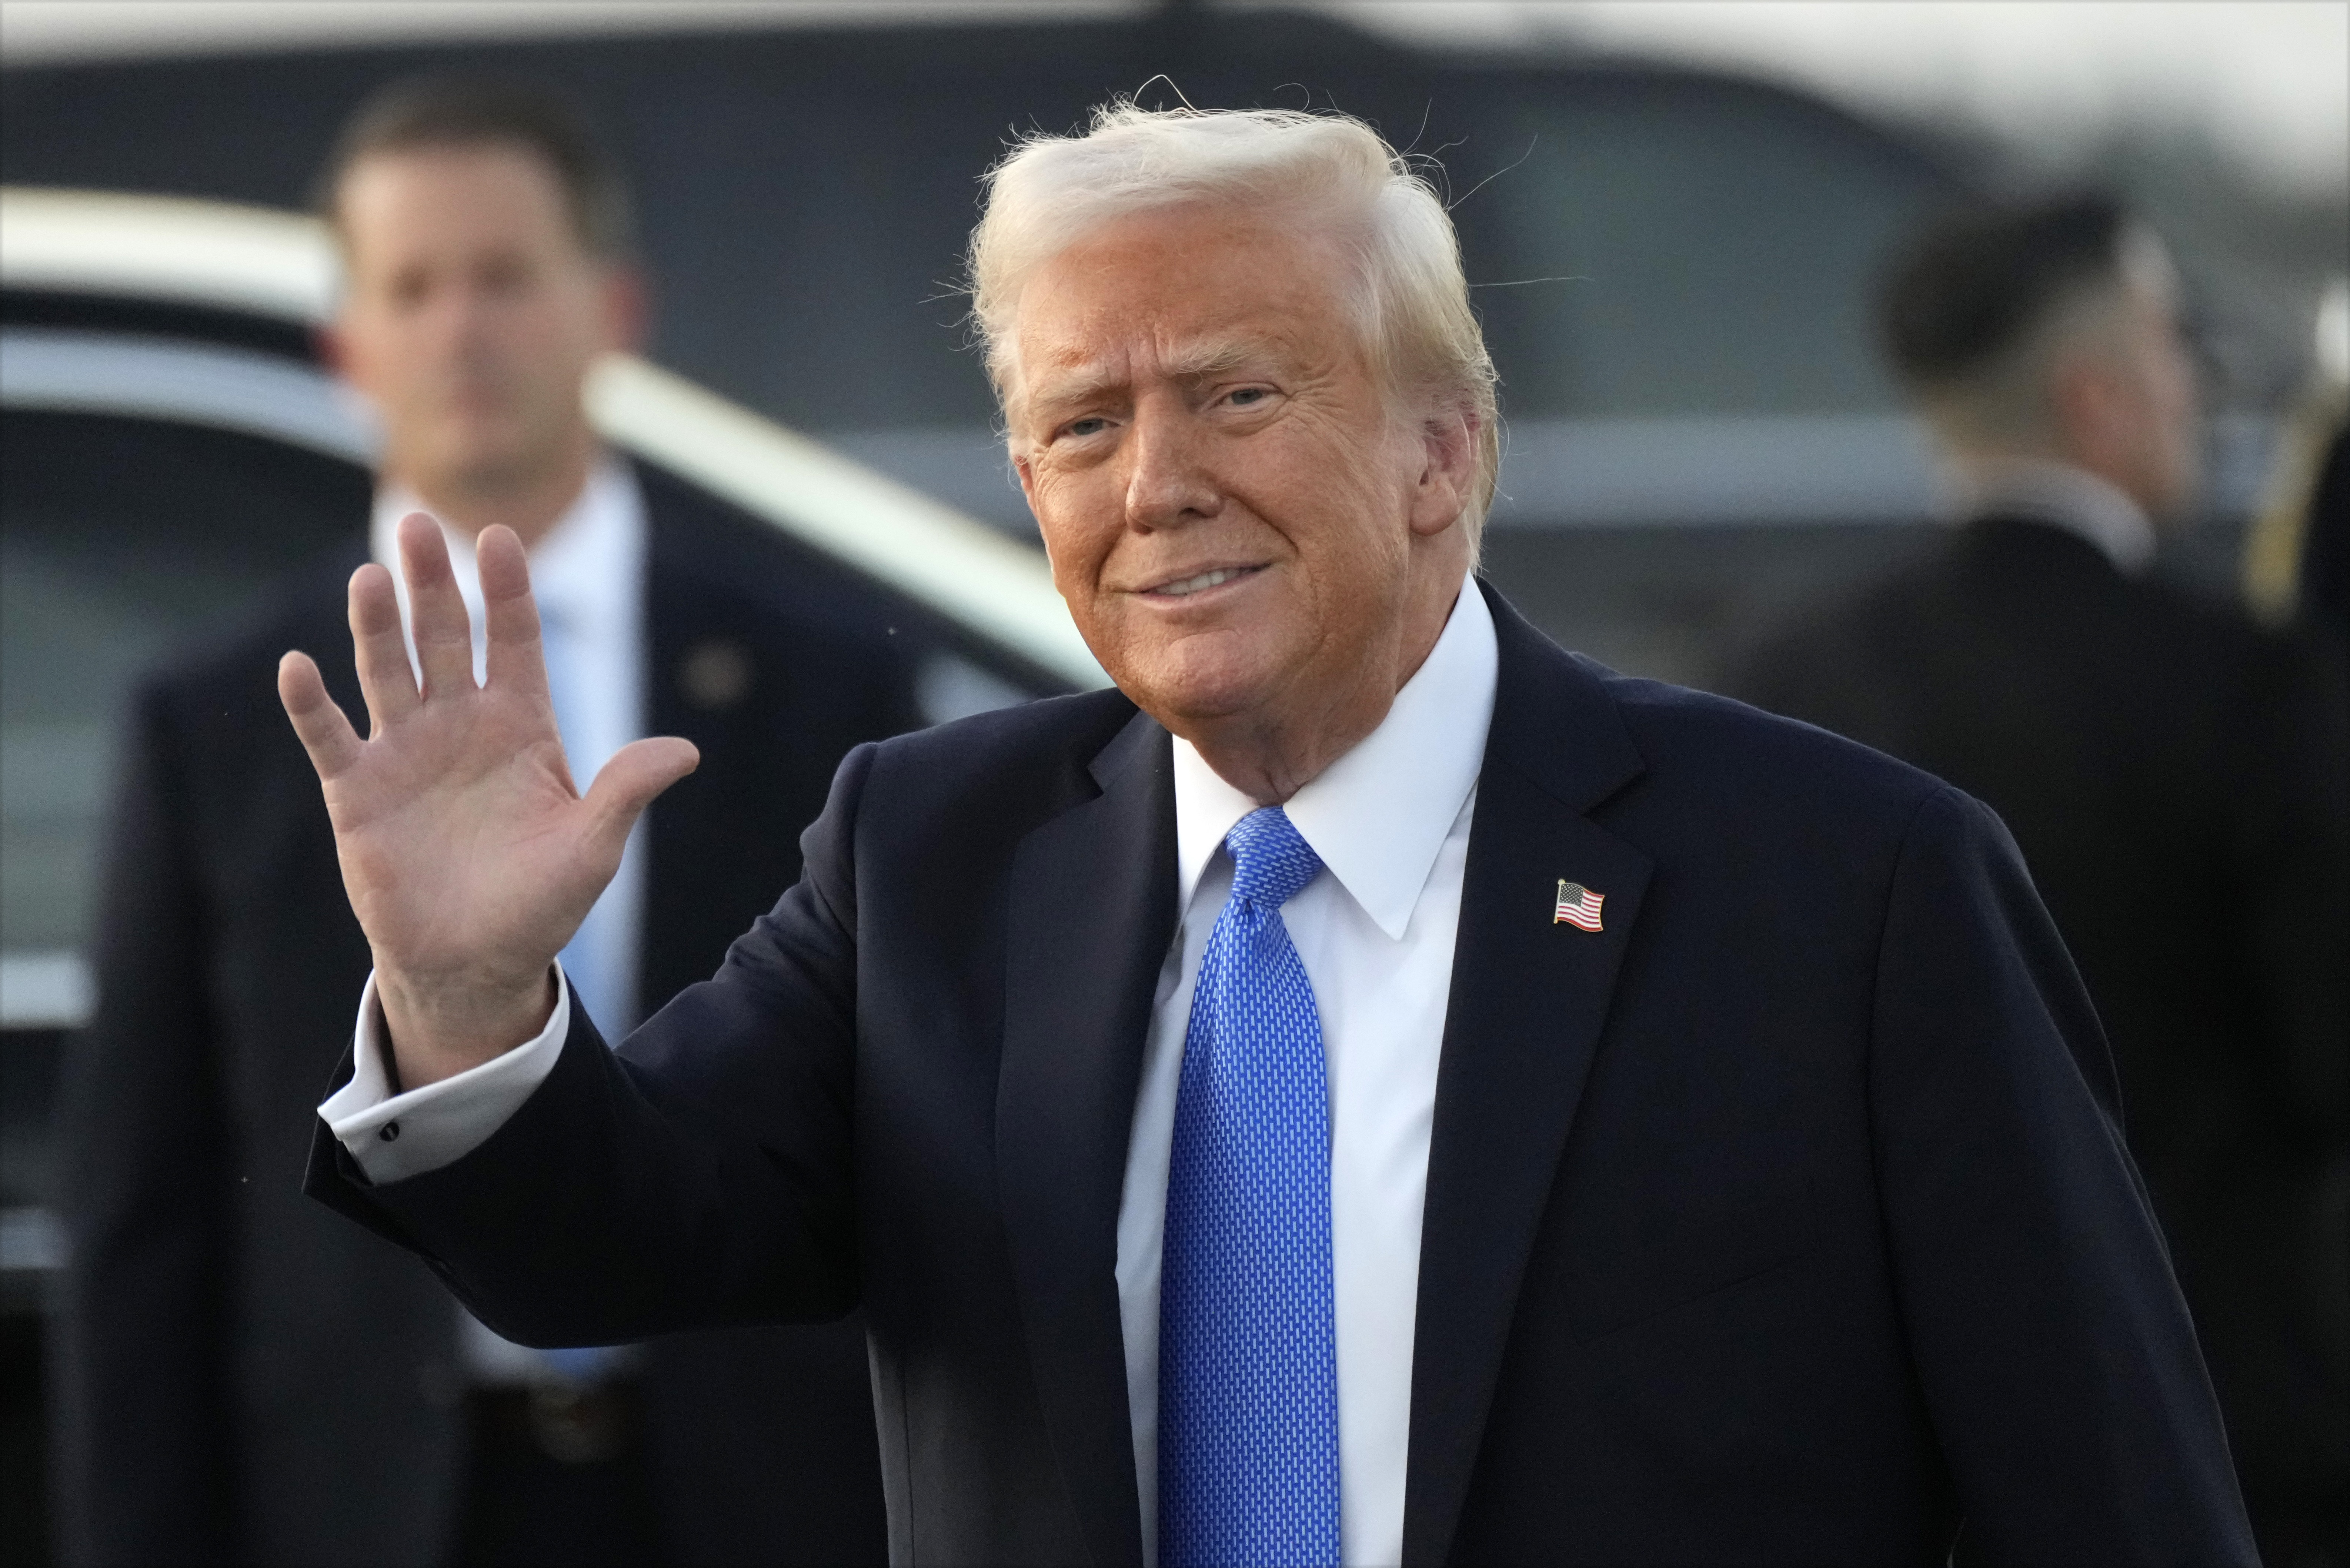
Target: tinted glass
x=1720 y=247
x=119 y=539
x=806 y=194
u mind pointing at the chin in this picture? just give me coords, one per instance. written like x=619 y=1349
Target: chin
x=492 y=466
x=1185 y=694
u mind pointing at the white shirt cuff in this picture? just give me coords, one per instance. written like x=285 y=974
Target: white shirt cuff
x=393 y=1136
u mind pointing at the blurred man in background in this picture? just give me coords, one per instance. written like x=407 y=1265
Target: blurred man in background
x=2323 y=579
x=2296 y=553
x=243 y=1377
x=2175 y=776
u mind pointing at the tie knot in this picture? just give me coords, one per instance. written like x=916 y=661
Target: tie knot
x=1271 y=861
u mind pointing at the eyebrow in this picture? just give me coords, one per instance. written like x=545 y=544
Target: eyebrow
x=1194 y=362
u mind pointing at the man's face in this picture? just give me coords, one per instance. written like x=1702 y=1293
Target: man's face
x=2128 y=406
x=2158 y=371
x=1238 y=520
x=472 y=313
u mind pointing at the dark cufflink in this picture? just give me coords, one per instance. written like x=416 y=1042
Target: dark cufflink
x=389 y=1132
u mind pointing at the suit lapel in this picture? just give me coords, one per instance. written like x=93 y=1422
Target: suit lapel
x=1529 y=998
x=1091 y=913
x=707 y=678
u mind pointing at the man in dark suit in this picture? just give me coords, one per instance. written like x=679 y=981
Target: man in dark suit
x=238 y=1381
x=1373 y=1088
x=2175 y=776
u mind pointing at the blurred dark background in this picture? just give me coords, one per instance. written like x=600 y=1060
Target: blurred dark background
x=1673 y=266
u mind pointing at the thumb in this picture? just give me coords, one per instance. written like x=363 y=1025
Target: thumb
x=625 y=786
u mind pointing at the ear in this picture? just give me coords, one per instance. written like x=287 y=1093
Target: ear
x=2085 y=400
x=626 y=305
x=329 y=347
x=344 y=353
x=1449 y=440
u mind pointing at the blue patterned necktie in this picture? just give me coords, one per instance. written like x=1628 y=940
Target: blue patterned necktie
x=1248 y=1363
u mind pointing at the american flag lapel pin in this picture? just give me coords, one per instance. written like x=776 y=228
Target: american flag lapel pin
x=1578 y=905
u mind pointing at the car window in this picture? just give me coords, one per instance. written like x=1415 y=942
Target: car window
x=1714 y=251
x=119 y=539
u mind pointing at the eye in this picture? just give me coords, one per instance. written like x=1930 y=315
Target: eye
x=1091 y=424
x=1245 y=396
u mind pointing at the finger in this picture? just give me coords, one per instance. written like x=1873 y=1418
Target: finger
x=516 y=660
x=386 y=679
x=323 y=730
x=628 y=784
x=436 y=610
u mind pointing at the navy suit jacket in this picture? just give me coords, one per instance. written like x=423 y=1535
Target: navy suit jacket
x=1786 y=1220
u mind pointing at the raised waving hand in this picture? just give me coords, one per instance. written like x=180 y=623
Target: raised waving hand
x=469 y=855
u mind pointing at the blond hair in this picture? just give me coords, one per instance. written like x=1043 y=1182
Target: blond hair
x=1408 y=297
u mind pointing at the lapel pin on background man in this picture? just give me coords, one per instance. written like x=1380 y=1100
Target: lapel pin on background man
x=1232 y=1173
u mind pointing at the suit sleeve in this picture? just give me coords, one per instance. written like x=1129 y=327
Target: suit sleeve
x=698 y=1177
x=2054 y=1353
x=140 y=1386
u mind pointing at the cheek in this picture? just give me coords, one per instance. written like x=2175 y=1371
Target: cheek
x=1075 y=544
x=2185 y=393
x=554 y=342
x=1345 y=515
x=1337 y=484
x=1080 y=510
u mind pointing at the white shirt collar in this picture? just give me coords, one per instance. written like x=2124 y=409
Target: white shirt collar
x=2057 y=493
x=1378 y=815
x=588 y=570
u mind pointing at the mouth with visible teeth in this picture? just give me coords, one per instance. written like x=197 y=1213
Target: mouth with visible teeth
x=1199 y=582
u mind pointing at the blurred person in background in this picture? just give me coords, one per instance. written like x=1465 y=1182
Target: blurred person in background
x=2297 y=554
x=2322 y=583
x=2174 y=775
x=2297 y=551
x=241 y=1377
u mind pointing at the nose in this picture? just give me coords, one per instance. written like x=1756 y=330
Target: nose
x=1168 y=482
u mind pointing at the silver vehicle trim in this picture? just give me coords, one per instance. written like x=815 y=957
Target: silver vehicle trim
x=44 y=989
x=282 y=265
x=74 y=371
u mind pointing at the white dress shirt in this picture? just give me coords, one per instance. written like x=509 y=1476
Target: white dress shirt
x=1375 y=931
x=2071 y=498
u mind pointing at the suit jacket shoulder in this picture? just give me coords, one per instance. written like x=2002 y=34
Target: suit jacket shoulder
x=1703 y=742
x=1693 y=766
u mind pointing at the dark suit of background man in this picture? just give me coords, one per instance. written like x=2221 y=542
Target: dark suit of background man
x=1374 y=1088
x=2174 y=775
x=239 y=1381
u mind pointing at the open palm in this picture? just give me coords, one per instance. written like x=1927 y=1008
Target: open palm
x=469 y=855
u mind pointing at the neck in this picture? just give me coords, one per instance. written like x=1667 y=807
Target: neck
x=1270 y=755
x=530 y=501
